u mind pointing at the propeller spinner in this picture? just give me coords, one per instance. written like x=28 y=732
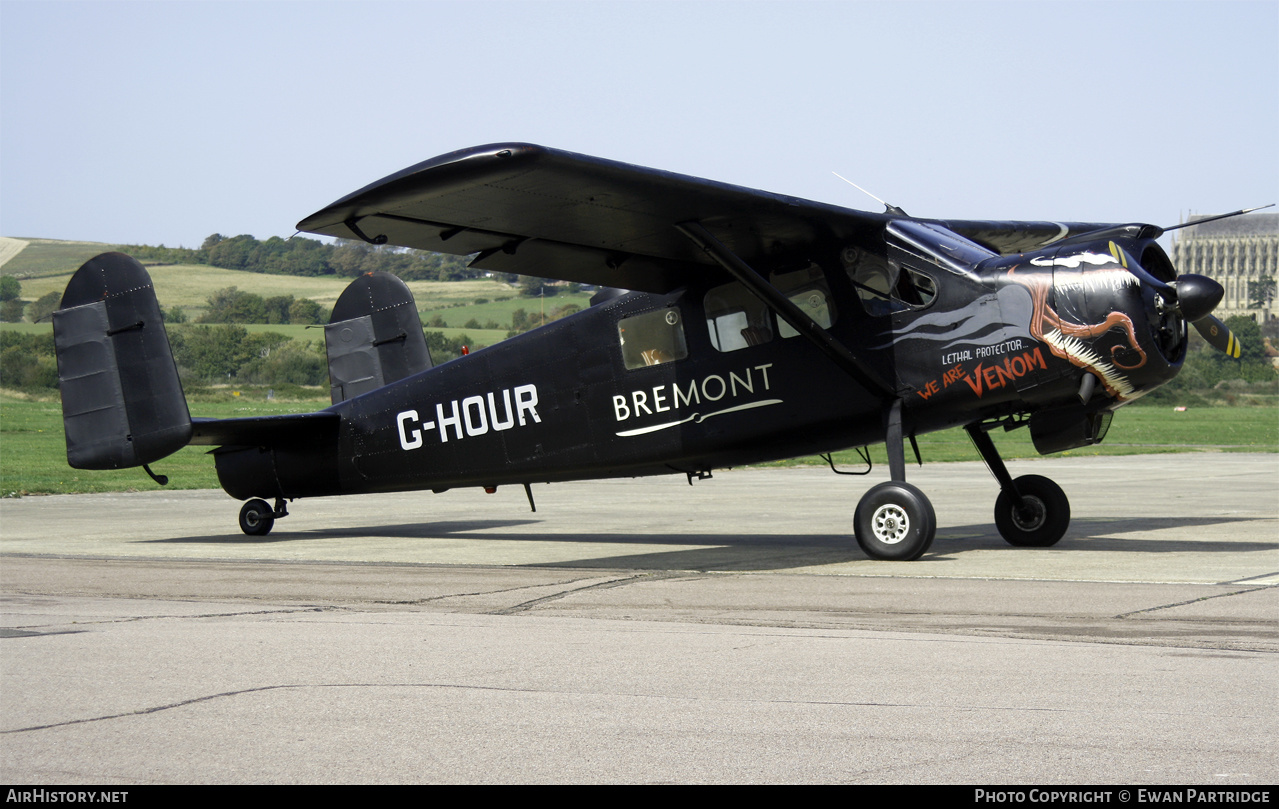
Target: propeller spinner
x=1195 y=296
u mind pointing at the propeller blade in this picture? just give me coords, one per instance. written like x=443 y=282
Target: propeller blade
x=1217 y=335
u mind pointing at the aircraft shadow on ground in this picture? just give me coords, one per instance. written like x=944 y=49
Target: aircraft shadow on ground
x=423 y=530
x=765 y=551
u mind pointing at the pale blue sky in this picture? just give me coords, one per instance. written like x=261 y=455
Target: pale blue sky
x=167 y=121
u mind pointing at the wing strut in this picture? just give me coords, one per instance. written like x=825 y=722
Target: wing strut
x=865 y=375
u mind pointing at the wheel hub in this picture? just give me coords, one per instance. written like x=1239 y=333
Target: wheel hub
x=890 y=523
x=1030 y=515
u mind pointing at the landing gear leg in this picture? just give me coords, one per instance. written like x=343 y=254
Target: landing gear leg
x=894 y=520
x=257 y=518
x=1031 y=511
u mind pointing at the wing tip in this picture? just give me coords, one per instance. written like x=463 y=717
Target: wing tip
x=335 y=214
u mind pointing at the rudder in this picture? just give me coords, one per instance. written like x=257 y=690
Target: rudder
x=122 y=402
x=374 y=336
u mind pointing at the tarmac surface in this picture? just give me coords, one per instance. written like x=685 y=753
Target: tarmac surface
x=648 y=631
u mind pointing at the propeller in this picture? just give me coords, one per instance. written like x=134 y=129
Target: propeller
x=1191 y=297
x=1197 y=295
x=1195 y=298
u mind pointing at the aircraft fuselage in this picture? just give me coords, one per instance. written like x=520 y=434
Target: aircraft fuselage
x=705 y=377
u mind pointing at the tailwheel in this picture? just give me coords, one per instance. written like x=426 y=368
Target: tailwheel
x=256 y=518
x=1039 y=520
x=895 y=521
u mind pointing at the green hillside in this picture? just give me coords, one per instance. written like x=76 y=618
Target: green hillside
x=190 y=285
x=45 y=265
x=48 y=257
x=472 y=313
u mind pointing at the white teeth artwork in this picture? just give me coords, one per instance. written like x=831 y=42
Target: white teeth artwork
x=1099 y=281
x=1081 y=354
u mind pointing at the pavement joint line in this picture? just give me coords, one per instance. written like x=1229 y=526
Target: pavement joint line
x=1252 y=578
x=620 y=582
x=559 y=692
x=135 y=618
x=1191 y=601
x=480 y=593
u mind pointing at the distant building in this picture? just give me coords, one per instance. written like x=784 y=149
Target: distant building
x=1234 y=252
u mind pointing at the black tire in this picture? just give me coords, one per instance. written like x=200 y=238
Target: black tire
x=1043 y=523
x=256 y=518
x=895 y=521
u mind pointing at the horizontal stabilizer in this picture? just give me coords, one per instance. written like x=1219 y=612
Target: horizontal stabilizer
x=269 y=431
x=122 y=403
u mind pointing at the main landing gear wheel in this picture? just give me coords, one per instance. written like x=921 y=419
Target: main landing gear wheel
x=895 y=521
x=1041 y=521
x=256 y=518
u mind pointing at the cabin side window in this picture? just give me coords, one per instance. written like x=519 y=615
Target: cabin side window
x=885 y=286
x=807 y=290
x=736 y=319
x=652 y=338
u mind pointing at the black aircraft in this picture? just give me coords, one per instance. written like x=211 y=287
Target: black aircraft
x=735 y=326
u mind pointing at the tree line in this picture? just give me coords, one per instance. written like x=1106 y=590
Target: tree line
x=302 y=256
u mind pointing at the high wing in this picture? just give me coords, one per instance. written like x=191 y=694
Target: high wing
x=543 y=212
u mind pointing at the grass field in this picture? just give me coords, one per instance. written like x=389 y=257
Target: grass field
x=33 y=455
x=33 y=451
x=500 y=311
x=1135 y=431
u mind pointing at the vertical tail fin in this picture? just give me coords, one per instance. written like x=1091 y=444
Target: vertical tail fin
x=122 y=403
x=374 y=336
